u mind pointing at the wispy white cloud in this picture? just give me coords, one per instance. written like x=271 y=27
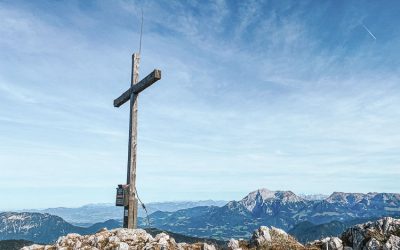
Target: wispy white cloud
x=252 y=92
x=15 y=92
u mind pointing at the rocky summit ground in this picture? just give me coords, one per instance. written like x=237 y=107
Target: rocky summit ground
x=119 y=239
x=383 y=234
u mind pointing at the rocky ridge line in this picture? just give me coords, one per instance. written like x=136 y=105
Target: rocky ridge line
x=383 y=234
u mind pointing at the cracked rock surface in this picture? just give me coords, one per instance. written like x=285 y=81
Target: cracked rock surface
x=383 y=234
x=119 y=239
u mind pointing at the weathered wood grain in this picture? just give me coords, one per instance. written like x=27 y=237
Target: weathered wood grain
x=130 y=221
x=130 y=209
x=139 y=87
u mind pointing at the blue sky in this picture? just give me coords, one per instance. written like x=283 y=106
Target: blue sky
x=287 y=95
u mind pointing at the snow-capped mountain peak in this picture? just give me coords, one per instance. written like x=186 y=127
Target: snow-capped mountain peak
x=345 y=198
x=262 y=196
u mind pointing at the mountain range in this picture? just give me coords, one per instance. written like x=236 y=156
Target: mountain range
x=21 y=229
x=282 y=209
x=42 y=228
x=307 y=231
x=94 y=213
x=307 y=219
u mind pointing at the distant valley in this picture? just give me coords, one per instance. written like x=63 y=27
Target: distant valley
x=282 y=209
x=95 y=213
x=21 y=229
x=42 y=228
x=305 y=217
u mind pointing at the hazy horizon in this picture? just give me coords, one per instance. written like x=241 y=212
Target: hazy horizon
x=165 y=201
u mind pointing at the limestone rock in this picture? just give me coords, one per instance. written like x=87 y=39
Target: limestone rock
x=373 y=235
x=383 y=234
x=392 y=243
x=34 y=247
x=261 y=237
x=273 y=238
x=120 y=239
x=280 y=232
x=373 y=244
x=208 y=247
x=233 y=244
x=331 y=243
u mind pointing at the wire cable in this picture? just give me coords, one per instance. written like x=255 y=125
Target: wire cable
x=141 y=34
x=144 y=208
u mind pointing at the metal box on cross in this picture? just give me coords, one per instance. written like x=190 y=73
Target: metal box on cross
x=121 y=196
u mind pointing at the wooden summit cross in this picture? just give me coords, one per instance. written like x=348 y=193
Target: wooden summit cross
x=128 y=192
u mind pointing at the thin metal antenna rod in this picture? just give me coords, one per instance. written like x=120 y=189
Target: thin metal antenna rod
x=141 y=34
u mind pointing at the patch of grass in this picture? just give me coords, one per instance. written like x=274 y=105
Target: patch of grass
x=14 y=244
x=397 y=232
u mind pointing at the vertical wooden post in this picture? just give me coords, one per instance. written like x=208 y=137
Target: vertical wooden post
x=130 y=211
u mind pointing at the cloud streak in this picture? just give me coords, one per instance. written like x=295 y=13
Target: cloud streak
x=253 y=95
x=369 y=32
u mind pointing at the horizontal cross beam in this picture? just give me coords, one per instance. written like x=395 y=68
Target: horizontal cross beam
x=139 y=87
